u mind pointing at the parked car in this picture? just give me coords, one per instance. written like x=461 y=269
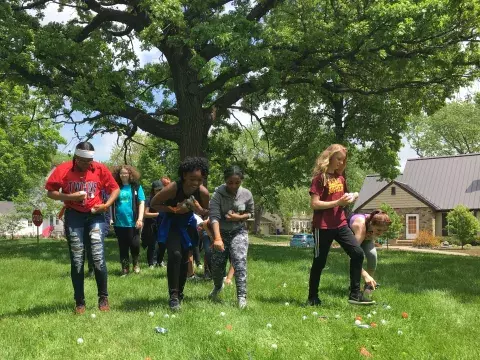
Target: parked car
x=302 y=240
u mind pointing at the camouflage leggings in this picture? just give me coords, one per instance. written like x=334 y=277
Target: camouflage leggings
x=236 y=247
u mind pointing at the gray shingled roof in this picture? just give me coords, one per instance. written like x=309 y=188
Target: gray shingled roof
x=444 y=181
x=6 y=207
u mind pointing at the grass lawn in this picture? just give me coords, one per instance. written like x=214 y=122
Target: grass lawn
x=439 y=293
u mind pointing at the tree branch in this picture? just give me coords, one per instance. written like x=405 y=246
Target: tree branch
x=30 y=6
x=150 y=124
x=262 y=8
x=108 y=15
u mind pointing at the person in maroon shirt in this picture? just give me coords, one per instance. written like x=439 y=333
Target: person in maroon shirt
x=329 y=196
x=81 y=182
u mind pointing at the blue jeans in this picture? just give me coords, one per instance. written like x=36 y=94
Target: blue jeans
x=85 y=232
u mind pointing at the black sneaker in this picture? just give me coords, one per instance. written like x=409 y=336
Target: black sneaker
x=314 y=301
x=174 y=303
x=359 y=299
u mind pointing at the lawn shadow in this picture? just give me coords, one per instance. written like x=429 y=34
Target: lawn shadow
x=40 y=310
x=48 y=250
x=144 y=304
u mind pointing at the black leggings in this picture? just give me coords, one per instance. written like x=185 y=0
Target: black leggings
x=128 y=242
x=323 y=241
x=177 y=265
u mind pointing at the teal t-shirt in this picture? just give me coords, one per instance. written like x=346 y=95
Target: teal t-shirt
x=123 y=207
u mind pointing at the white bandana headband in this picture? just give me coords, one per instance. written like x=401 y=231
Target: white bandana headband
x=87 y=154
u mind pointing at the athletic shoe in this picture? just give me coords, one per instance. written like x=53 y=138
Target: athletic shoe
x=242 y=302
x=174 y=303
x=193 y=278
x=80 y=309
x=199 y=266
x=125 y=271
x=103 y=303
x=162 y=264
x=151 y=267
x=136 y=269
x=314 y=301
x=215 y=293
x=359 y=299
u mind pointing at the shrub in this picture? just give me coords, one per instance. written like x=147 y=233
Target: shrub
x=426 y=239
x=463 y=224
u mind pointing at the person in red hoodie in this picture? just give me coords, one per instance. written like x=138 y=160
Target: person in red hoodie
x=81 y=182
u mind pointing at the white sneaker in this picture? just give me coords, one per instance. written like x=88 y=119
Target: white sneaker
x=215 y=293
x=242 y=302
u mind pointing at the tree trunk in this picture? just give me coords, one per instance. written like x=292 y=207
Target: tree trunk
x=339 y=110
x=258 y=218
x=194 y=121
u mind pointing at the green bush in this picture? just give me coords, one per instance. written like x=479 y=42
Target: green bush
x=396 y=227
x=463 y=224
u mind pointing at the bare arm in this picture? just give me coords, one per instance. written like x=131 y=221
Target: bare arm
x=141 y=210
x=112 y=198
x=317 y=204
x=148 y=214
x=167 y=193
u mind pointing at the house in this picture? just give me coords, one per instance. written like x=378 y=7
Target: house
x=51 y=225
x=426 y=191
x=301 y=223
x=269 y=223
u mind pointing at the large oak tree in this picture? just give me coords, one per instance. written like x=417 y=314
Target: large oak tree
x=217 y=52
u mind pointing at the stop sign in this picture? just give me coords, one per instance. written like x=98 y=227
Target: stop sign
x=37 y=217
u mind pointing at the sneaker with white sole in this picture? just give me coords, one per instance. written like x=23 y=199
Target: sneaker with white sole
x=242 y=302
x=359 y=299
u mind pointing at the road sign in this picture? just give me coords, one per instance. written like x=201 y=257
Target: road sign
x=37 y=217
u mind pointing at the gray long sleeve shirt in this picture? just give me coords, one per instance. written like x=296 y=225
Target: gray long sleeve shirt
x=222 y=202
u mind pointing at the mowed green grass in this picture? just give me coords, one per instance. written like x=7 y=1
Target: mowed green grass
x=439 y=293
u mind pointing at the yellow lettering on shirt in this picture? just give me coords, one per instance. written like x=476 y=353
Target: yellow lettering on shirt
x=334 y=186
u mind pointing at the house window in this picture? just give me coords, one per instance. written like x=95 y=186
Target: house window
x=393 y=190
x=52 y=220
x=444 y=224
x=30 y=223
x=57 y=221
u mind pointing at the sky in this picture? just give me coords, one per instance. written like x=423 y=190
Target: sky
x=104 y=144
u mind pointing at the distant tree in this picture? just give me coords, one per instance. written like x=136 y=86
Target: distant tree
x=463 y=225
x=28 y=139
x=10 y=223
x=36 y=198
x=292 y=201
x=396 y=226
x=452 y=130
